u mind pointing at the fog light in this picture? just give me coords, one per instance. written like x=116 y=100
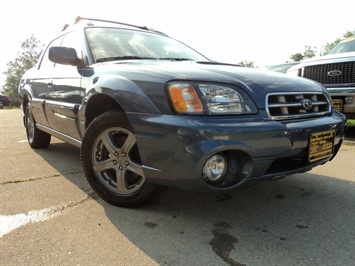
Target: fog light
x=215 y=168
x=349 y=99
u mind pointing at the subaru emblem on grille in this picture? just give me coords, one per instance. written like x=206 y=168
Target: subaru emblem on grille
x=307 y=104
x=334 y=73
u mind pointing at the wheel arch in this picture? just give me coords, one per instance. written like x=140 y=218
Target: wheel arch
x=99 y=104
x=109 y=92
x=25 y=101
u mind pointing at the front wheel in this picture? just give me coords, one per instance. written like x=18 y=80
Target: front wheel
x=36 y=138
x=111 y=162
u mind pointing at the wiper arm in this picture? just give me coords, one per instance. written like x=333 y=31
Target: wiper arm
x=127 y=57
x=176 y=59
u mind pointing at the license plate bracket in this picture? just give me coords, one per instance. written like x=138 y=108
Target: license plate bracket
x=321 y=145
x=337 y=104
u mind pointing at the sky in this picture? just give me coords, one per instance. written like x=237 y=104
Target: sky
x=266 y=32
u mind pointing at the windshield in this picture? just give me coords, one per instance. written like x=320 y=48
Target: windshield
x=348 y=45
x=121 y=44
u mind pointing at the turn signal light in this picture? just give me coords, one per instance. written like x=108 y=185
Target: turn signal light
x=185 y=98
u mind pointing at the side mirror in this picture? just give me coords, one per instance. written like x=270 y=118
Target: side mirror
x=65 y=56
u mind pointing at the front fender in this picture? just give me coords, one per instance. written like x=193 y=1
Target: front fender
x=125 y=92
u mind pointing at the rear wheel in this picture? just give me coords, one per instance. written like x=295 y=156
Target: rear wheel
x=111 y=162
x=1 y=104
x=36 y=138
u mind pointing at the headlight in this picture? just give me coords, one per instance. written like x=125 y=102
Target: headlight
x=204 y=99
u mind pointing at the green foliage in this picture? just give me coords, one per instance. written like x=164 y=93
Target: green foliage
x=330 y=46
x=26 y=59
x=296 y=57
x=309 y=52
x=246 y=63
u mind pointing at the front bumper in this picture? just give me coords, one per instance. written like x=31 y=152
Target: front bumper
x=174 y=149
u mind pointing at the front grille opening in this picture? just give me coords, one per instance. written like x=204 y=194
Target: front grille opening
x=321 y=73
x=297 y=105
x=286 y=164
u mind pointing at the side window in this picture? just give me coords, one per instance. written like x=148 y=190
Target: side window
x=46 y=63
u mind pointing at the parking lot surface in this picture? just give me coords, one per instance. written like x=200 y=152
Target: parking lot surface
x=50 y=216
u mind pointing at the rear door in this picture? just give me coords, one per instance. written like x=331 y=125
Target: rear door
x=38 y=81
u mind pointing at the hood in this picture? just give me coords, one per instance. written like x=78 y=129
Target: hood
x=257 y=83
x=330 y=56
x=327 y=59
x=207 y=71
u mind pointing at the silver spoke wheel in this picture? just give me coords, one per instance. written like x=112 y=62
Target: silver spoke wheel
x=112 y=162
x=30 y=127
x=36 y=138
x=116 y=162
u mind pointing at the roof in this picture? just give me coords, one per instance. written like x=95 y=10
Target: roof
x=82 y=21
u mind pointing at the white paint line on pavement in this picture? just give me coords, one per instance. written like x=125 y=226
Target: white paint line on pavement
x=9 y=223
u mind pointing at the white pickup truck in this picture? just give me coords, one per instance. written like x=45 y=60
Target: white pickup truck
x=336 y=71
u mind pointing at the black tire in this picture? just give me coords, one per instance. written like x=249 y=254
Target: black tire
x=1 y=104
x=36 y=138
x=111 y=162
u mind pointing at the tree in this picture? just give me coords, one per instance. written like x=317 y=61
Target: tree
x=26 y=59
x=330 y=46
x=296 y=57
x=309 y=52
x=246 y=63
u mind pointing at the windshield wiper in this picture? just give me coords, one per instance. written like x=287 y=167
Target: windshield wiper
x=176 y=59
x=127 y=57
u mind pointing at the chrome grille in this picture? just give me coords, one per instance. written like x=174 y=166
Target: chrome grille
x=280 y=106
x=320 y=73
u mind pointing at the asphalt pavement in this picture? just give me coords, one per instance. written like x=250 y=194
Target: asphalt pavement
x=49 y=215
